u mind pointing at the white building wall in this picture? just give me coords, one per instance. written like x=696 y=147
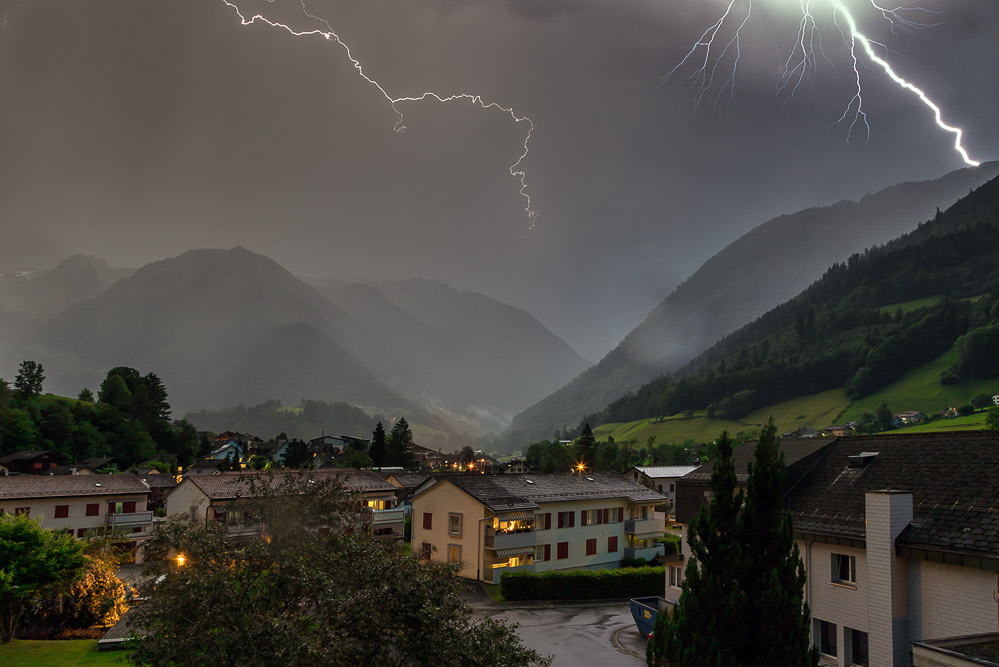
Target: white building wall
x=844 y=606
x=44 y=509
x=949 y=601
x=577 y=536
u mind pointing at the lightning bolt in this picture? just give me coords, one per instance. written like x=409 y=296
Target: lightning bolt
x=328 y=33
x=796 y=72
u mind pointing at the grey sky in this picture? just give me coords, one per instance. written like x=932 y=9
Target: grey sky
x=134 y=130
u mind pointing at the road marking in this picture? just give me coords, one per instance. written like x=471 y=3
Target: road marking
x=619 y=646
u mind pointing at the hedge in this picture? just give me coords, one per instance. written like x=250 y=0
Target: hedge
x=584 y=584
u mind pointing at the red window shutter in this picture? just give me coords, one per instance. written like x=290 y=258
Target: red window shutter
x=612 y=544
x=561 y=519
x=80 y=532
x=128 y=507
x=583 y=518
x=548 y=552
x=93 y=509
x=572 y=519
x=591 y=547
x=548 y=521
x=563 y=550
x=620 y=514
x=61 y=512
x=606 y=515
x=428 y=521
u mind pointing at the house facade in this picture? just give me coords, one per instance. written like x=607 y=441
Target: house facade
x=207 y=498
x=660 y=478
x=493 y=524
x=899 y=536
x=32 y=462
x=81 y=503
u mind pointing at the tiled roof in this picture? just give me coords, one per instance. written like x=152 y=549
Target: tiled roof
x=410 y=480
x=665 y=471
x=59 y=486
x=26 y=454
x=953 y=478
x=502 y=493
x=795 y=449
x=239 y=484
x=160 y=481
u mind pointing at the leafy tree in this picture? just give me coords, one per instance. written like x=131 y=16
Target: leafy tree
x=981 y=401
x=772 y=573
x=377 y=449
x=18 y=431
x=258 y=462
x=296 y=454
x=115 y=393
x=586 y=447
x=129 y=376
x=56 y=425
x=466 y=455
x=709 y=609
x=398 y=444
x=85 y=395
x=884 y=415
x=308 y=596
x=992 y=419
x=28 y=382
x=33 y=561
x=966 y=409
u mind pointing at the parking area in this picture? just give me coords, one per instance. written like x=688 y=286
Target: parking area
x=576 y=634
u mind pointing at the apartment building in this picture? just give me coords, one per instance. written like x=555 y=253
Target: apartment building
x=493 y=524
x=80 y=503
x=899 y=535
x=208 y=498
x=661 y=478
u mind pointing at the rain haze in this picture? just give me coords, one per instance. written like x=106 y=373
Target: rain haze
x=136 y=130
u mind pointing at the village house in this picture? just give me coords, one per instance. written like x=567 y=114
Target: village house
x=88 y=466
x=517 y=467
x=661 y=478
x=81 y=503
x=206 y=498
x=31 y=462
x=910 y=417
x=492 y=524
x=899 y=535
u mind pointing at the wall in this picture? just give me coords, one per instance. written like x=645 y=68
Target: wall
x=577 y=536
x=441 y=500
x=44 y=509
x=185 y=496
x=836 y=603
x=948 y=601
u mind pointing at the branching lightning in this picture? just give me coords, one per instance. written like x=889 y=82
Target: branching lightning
x=329 y=34
x=795 y=75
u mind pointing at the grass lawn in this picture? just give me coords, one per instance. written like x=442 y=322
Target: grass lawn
x=493 y=591
x=915 y=304
x=975 y=422
x=34 y=653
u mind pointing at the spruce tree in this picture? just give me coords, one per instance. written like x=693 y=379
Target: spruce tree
x=708 y=612
x=773 y=576
x=377 y=449
x=586 y=447
x=398 y=445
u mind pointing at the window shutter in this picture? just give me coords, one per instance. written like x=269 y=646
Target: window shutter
x=561 y=519
x=584 y=519
x=548 y=521
x=572 y=519
x=620 y=514
x=548 y=552
x=428 y=521
x=128 y=507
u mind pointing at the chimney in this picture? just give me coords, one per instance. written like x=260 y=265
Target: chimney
x=888 y=514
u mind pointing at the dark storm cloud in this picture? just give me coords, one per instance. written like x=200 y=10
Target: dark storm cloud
x=136 y=130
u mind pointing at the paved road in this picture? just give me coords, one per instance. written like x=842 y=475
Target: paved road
x=578 y=635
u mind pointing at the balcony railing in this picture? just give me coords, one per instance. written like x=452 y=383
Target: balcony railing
x=395 y=515
x=129 y=519
x=511 y=540
x=648 y=553
x=641 y=526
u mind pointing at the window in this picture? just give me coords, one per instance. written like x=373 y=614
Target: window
x=675 y=576
x=591 y=547
x=454 y=524
x=80 y=532
x=425 y=550
x=612 y=514
x=61 y=512
x=591 y=517
x=114 y=508
x=563 y=550
x=543 y=552
x=825 y=637
x=566 y=519
x=22 y=511
x=428 y=521
x=856 y=647
x=844 y=570
x=454 y=553
x=660 y=488
x=128 y=507
x=612 y=545
x=543 y=521
x=378 y=504
x=93 y=509
x=672 y=487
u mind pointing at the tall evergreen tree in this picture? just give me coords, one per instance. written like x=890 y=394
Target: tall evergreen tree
x=377 y=449
x=586 y=447
x=28 y=382
x=398 y=445
x=773 y=576
x=708 y=613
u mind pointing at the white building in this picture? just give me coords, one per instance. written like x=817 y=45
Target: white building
x=661 y=478
x=899 y=536
x=492 y=524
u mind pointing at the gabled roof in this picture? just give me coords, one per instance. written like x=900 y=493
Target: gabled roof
x=159 y=481
x=60 y=486
x=230 y=485
x=409 y=480
x=665 y=471
x=26 y=454
x=953 y=478
x=504 y=493
x=795 y=450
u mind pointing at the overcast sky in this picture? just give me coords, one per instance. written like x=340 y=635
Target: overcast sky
x=135 y=130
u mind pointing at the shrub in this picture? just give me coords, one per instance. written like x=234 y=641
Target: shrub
x=584 y=584
x=965 y=410
x=634 y=562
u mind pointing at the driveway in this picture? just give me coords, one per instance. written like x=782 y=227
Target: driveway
x=577 y=634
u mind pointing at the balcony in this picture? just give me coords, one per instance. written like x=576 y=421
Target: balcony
x=643 y=526
x=526 y=538
x=129 y=519
x=648 y=553
x=383 y=517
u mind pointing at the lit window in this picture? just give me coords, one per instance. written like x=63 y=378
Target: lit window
x=844 y=569
x=454 y=553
